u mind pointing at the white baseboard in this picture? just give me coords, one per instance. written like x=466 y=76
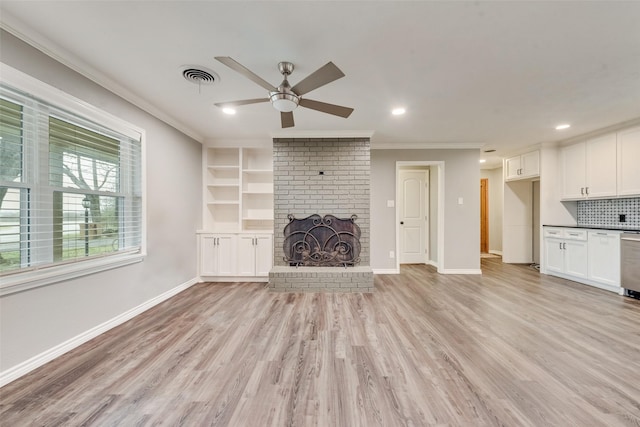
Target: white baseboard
x=460 y=271
x=495 y=252
x=386 y=271
x=433 y=263
x=234 y=279
x=29 y=365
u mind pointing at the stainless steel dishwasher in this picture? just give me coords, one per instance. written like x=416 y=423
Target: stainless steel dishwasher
x=630 y=262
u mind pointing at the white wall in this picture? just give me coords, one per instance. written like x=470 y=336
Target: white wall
x=517 y=244
x=461 y=222
x=35 y=321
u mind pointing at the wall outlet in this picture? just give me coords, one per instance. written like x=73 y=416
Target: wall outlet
x=622 y=218
x=392 y=254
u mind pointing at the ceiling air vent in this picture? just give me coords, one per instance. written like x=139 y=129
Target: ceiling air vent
x=199 y=75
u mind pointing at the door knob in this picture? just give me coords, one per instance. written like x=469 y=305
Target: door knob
x=401 y=222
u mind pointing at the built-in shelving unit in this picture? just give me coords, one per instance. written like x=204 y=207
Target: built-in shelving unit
x=238 y=185
x=236 y=240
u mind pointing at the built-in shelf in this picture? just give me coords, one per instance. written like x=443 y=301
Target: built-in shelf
x=238 y=189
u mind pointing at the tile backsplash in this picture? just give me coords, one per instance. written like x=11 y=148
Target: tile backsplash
x=606 y=213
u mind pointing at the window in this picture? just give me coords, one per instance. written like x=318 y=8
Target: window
x=70 y=187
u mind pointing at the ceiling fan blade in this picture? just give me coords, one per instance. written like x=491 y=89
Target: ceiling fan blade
x=336 y=110
x=242 y=102
x=236 y=66
x=323 y=75
x=287 y=119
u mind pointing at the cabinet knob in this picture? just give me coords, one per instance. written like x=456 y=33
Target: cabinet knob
x=401 y=222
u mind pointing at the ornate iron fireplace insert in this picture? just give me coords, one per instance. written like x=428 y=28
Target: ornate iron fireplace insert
x=322 y=241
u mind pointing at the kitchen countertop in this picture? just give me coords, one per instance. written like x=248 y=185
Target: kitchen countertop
x=589 y=227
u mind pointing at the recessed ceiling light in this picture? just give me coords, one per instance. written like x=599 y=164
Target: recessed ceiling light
x=229 y=111
x=398 y=111
x=563 y=126
x=483 y=160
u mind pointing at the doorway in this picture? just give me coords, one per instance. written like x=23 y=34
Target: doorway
x=434 y=240
x=484 y=215
x=413 y=203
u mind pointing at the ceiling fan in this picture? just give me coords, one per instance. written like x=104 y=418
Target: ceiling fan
x=285 y=98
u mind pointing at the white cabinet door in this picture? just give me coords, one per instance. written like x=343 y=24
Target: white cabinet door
x=573 y=171
x=629 y=162
x=217 y=255
x=264 y=254
x=523 y=166
x=604 y=257
x=246 y=255
x=601 y=167
x=208 y=258
x=255 y=254
x=575 y=258
x=530 y=164
x=227 y=255
x=512 y=168
x=554 y=255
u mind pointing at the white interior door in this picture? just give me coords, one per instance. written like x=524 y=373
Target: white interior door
x=412 y=202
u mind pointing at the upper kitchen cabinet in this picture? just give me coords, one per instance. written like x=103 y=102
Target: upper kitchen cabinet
x=524 y=166
x=629 y=162
x=588 y=169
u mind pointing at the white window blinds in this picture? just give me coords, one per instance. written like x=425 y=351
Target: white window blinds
x=70 y=187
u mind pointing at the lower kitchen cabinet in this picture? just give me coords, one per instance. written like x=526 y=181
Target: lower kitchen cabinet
x=604 y=257
x=235 y=255
x=588 y=256
x=566 y=252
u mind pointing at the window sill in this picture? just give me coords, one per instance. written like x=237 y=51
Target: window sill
x=20 y=282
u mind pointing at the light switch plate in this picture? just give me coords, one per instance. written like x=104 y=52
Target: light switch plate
x=391 y=203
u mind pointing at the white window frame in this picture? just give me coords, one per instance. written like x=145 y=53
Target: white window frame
x=46 y=275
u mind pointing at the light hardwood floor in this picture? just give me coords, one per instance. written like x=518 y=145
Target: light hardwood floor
x=510 y=348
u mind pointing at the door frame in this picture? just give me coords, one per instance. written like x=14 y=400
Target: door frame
x=439 y=235
x=484 y=215
x=425 y=255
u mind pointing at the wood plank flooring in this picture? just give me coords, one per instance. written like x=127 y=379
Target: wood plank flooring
x=510 y=348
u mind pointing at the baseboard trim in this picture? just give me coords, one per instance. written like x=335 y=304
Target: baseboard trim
x=29 y=365
x=460 y=271
x=235 y=279
x=386 y=271
x=496 y=252
x=433 y=263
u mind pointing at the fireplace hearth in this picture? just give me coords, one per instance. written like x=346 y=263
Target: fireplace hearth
x=322 y=241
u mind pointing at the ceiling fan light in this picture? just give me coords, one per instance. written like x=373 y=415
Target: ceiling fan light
x=284 y=102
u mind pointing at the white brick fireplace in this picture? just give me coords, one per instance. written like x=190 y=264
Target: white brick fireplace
x=323 y=176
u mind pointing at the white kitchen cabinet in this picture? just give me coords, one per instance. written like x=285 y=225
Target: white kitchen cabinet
x=604 y=256
x=589 y=169
x=554 y=256
x=629 y=162
x=255 y=254
x=589 y=256
x=524 y=166
x=217 y=255
x=566 y=251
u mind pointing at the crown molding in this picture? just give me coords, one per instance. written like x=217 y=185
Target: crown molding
x=24 y=32
x=322 y=134
x=426 y=145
